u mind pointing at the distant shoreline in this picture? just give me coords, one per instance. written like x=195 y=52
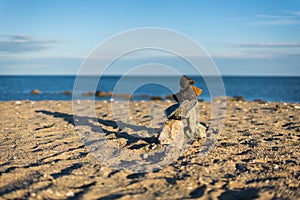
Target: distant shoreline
x=158 y=99
x=271 y=89
x=112 y=75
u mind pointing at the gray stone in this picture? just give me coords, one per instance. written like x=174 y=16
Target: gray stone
x=186 y=91
x=179 y=111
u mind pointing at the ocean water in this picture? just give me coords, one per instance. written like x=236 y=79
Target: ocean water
x=285 y=89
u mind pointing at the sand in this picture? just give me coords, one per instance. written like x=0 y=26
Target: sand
x=43 y=155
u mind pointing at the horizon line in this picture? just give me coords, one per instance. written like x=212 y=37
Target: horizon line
x=161 y=75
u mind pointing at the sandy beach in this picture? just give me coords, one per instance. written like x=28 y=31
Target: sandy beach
x=255 y=157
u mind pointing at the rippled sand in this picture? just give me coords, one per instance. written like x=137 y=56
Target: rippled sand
x=43 y=156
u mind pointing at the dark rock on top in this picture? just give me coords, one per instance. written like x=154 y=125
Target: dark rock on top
x=186 y=91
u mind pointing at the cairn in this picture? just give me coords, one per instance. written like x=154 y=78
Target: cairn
x=174 y=131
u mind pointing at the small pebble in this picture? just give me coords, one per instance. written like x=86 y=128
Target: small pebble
x=145 y=156
x=70 y=194
x=50 y=191
x=18 y=102
x=58 y=194
x=189 y=187
x=45 y=175
x=153 y=146
x=267 y=181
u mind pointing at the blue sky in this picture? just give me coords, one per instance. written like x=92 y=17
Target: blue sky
x=242 y=37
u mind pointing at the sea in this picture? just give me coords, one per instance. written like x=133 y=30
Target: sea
x=271 y=89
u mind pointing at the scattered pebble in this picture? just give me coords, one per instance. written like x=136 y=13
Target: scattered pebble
x=70 y=194
x=18 y=102
x=153 y=146
x=145 y=156
x=50 y=191
x=58 y=194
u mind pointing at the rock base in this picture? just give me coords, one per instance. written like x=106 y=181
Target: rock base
x=172 y=133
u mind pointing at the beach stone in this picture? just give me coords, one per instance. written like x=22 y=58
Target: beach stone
x=173 y=112
x=178 y=111
x=172 y=133
x=103 y=94
x=156 y=98
x=36 y=91
x=238 y=98
x=68 y=92
x=169 y=96
x=88 y=94
x=186 y=91
x=123 y=96
x=200 y=131
x=18 y=102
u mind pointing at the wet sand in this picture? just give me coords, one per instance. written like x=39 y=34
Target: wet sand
x=255 y=157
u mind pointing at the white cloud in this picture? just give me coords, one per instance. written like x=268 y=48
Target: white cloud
x=295 y=13
x=18 y=43
x=291 y=18
x=241 y=55
x=28 y=66
x=270 y=45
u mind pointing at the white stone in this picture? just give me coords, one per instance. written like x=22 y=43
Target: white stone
x=70 y=194
x=172 y=133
